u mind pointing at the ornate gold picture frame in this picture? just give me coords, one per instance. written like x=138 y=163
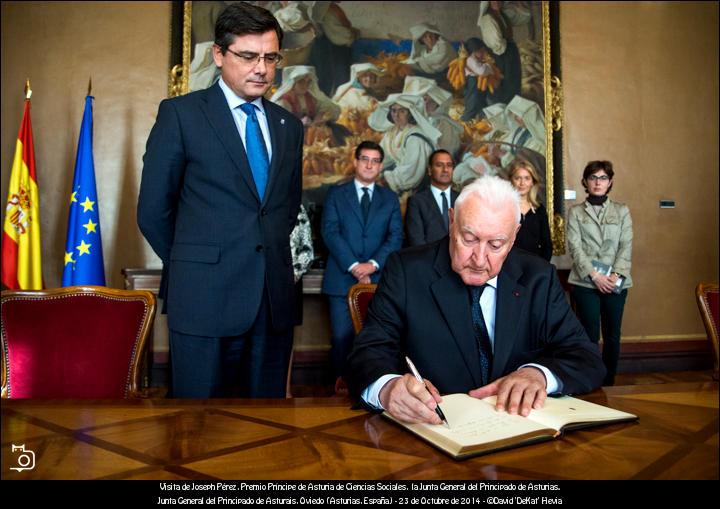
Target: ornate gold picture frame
x=400 y=43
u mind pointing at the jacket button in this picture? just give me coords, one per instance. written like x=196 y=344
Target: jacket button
x=258 y=248
x=263 y=212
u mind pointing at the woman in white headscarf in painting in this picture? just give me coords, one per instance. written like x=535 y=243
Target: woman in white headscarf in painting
x=527 y=129
x=437 y=107
x=300 y=95
x=408 y=141
x=431 y=51
x=354 y=95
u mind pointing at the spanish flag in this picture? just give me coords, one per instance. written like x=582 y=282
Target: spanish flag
x=21 y=263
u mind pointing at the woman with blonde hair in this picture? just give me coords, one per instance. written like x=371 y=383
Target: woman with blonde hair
x=534 y=234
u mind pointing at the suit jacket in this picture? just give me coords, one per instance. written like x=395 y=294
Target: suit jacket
x=422 y=309
x=423 y=219
x=200 y=211
x=350 y=240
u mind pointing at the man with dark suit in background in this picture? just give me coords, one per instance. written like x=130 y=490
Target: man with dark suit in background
x=426 y=218
x=220 y=193
x=473 y=317
x=361 y=226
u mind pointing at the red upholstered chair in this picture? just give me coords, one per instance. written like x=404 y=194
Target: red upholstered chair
x=707 y=301
x=74 y=342
x=359 y=297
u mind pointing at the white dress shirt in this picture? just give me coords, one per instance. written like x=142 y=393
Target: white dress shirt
x=359 y=189
x=437 y=194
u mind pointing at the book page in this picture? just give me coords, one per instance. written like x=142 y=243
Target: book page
x=559 y=412
x=474 y=421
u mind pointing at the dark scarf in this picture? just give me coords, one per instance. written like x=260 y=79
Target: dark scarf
x=596 y=200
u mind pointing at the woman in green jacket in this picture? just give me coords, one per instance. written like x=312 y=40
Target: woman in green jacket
x=599 y=233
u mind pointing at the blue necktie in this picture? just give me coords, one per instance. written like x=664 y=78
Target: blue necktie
x=256 y=150
x=365 y=204
x=481 y=333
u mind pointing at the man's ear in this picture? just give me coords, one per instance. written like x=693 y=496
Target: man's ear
x=514 y=238
x=217 y=55
x=451 y=217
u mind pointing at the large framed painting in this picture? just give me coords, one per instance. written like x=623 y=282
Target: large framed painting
x=478 y=79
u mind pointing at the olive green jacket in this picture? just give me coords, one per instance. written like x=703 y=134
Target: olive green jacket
x=606 y=238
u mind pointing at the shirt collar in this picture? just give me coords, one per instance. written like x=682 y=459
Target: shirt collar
x=436 y=191
x=235 y=101
x=492 y=282
x=359 y=186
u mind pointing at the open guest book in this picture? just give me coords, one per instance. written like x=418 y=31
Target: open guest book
x=477 y=428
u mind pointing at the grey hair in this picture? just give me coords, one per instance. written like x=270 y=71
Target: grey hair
x=494 y=191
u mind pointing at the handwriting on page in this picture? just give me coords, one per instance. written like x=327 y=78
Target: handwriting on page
x=486 y=425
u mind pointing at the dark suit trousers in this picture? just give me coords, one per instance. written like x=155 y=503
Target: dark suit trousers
x=253 y=364
x=341 y=330
x=597 y=310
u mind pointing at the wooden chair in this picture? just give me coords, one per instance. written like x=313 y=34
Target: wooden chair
x=359 y=297
x=74 y=342
x=707 y=301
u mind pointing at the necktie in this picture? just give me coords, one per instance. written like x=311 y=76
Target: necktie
x=365 y=203
x=444 y=210
x=481 y=333
x=256 y=150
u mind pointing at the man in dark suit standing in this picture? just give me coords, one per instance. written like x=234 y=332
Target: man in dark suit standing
x=427 y=215
x=220 y=193
x=473 y=317
x=361 y=226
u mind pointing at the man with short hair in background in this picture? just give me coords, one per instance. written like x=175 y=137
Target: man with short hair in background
x=361 y=226
x=427 y=215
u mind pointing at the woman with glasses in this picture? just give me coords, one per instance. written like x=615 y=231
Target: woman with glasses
x=534 y=233
x=599 y=233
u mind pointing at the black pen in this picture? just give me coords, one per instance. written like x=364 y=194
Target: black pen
x=415 y=373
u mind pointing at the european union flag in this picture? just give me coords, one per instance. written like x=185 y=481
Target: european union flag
x=83 y=248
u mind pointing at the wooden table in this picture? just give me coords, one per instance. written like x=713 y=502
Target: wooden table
x=676 y=438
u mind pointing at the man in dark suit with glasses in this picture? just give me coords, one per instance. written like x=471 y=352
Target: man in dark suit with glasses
x=220 y=194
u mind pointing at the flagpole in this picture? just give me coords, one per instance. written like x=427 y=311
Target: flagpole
x=90 y=86
x=28 y=91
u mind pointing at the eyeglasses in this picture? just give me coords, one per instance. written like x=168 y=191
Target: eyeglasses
x=601 y=178
x=366 y=159
x=250 y=58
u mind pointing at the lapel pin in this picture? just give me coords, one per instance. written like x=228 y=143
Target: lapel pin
x=282 y=121
x=516 y=294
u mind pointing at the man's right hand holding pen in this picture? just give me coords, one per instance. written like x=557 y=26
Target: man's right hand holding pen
x=410 y=401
